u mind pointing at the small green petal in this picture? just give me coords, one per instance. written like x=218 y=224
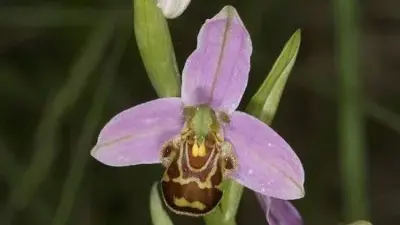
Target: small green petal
x=202 y=121
x=158 y=214
x=155 y=46
x=265 y=102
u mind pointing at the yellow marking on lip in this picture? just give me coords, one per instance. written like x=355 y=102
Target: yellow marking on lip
x=202 y=185
x=198 y=151
x=209 y=159
x=213 y=158
x=182 y=202
x=166 y=177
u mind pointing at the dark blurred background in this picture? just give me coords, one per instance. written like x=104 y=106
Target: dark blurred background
x=48 y=46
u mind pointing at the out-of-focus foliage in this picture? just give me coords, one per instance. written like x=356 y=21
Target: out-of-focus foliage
x=360 y=222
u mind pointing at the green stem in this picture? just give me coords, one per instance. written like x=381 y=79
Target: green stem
x=351 y=118
x=230 y=202
x=217 y=218
x=226 y=213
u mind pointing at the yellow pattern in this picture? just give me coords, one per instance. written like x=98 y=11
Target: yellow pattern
x=182 y=202
x=201 y=185
x=199 y=150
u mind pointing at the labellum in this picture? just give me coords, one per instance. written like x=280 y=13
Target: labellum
x=196 y=162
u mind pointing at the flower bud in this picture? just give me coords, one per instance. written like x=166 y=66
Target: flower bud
x=172 y=8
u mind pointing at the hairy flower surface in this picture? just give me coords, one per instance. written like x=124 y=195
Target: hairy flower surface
x=200 y=138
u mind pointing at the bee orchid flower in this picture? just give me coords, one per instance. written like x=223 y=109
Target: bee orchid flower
x=200 y=138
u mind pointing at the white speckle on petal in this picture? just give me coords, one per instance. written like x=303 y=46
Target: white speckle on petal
x=150 y=120
x=250 y=172
x=262 y=190
x=123 y=158
x=269 y=144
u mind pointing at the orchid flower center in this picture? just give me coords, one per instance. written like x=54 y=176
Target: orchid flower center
x=196 y=161
x=202 y=120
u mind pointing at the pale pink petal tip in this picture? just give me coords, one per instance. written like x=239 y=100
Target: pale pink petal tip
x=135 y=136
x=279 y=212
x=266 y=163
x=216 y=73
x=226 y=12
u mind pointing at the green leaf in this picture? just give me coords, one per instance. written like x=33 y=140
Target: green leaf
x=155 y=46
x=265 y=102
x=49 y=128
x=90 y=127
x=158 y=214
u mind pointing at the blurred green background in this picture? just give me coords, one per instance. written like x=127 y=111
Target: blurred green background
x=66 y=67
